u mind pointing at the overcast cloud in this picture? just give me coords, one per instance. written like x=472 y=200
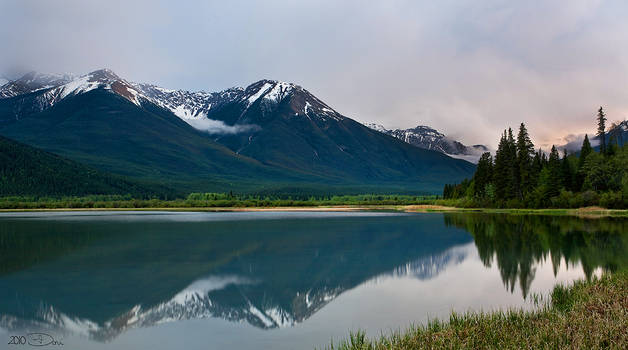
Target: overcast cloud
x=468 y=68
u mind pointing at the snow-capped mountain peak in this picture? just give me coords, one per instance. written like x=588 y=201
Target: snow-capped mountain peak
x=264 y=95
x=187 y=105
x=261 y=98
x=31 y=82
x=376 y=127
x=429 y=138
x=99 y=79
x=57 y=87
x=268 y=90
x=623 y=126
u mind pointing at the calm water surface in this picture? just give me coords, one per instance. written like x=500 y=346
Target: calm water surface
x=159 y=280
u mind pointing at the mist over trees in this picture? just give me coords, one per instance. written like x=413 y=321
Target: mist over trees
x=520 y=177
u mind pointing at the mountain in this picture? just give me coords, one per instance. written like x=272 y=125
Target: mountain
x=284 y=125
x=31 y=82
x=258 y=273
x=100 y=120
x=277 y=131
x=205 y=298
x=618 y=132
x=428 y=138
x=25 y=170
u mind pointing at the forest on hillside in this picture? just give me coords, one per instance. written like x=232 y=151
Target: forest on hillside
x=25 y=170
x=520 y=177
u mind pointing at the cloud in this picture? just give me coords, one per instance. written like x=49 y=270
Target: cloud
x=464 y=67
x=219 y=127
x=572 y=143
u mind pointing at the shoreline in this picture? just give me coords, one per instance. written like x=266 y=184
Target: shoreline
x=593 y=212
x=580 y=315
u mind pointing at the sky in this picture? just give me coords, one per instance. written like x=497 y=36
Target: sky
x=468 y=68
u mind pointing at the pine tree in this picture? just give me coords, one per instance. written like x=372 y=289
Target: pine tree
x=566 y=173
x=500 y=170
x=513 y=167
x=612 y=146
x=525 y=150
x=601 y=129
x=584 y=151
x=447 y=191
x=537 y=166
x=555 y=180
x=580 y=172
x=544 y=161
x=483 y=174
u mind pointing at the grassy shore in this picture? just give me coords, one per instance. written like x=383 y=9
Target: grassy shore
x=229 y=202
x=585 y=315
x=581 y=212
x=209 y=201
x=591 y=212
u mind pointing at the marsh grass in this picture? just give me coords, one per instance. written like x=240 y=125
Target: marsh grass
x=585 y=315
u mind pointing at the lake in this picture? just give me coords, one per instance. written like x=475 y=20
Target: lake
x=280 y=280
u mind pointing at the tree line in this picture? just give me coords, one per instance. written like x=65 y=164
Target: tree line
x=524 y=242
x=207 y=200
x=520 y=177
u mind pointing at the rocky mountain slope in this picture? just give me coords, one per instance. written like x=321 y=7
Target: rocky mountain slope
x=428 y=138
x=278 y=131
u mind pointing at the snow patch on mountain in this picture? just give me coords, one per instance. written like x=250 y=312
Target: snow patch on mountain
x=253 y=98
x=261 y=316
x=81 y=85
x=56 y=88
x=279 y=91
x=428 y=138
x=195 y=108
x=376 y=127
x=32 y=82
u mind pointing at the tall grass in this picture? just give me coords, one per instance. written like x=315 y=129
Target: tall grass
x=585 y=315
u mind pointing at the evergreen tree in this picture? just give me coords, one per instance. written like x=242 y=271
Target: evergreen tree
x=566 y=173
x=555 y=178
x=500 y=170
x=537 y=166
x=513 y=167
x=525 y=150
x=483 y=174
x=544 y=161
x=584 y=151
x=612 y=146
x=580 y=172
x=601 y=129
x=447 y=191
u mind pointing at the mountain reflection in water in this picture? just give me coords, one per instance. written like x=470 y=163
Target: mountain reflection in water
x=99 y=276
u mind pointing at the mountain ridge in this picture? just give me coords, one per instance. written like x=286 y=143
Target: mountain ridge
x=276 y=130
x=423 y=136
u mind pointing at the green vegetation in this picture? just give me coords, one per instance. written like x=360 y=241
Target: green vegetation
x=518 y=177
x=208 y=200
x=589 y=314
x=586 y=315
x=25 y=170
x=107 y=132
x=518 y=243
